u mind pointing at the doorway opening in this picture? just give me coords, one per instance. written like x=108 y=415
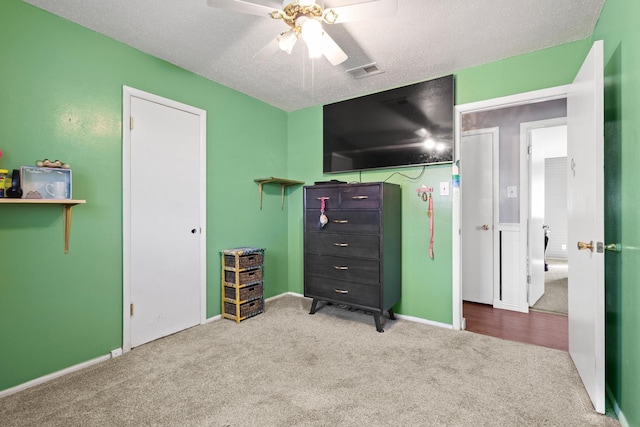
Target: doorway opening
x=545 y=142
x=510 y=288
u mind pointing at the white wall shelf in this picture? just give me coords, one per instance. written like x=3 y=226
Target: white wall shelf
x=282 y=181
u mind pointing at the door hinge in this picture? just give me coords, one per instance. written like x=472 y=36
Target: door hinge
x=528 y=279
x=131 y=122
x=131 y=309
x=529 y=149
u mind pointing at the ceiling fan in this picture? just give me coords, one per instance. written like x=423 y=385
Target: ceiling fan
x=305 y=19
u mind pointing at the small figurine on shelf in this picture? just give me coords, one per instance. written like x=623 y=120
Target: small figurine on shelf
x=46 y=163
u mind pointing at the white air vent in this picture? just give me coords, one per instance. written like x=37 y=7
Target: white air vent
x=365 y=71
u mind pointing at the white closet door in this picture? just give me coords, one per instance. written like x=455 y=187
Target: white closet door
x=165 y=220
x=477 y=217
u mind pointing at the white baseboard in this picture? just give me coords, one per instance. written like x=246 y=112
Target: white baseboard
x=284 y=294
x=213 y=319
x=616 y=408
x=424 y=321
x=54 y=375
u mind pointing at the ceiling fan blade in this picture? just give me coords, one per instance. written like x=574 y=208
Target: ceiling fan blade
x=242 y=7
x=361 y=11
x=331 y=50
x=271 y=48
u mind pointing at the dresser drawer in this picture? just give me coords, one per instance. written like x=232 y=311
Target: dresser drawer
x=342 y=292
x=341 y=221
x=313 y=197
x=365 y=271
x=360 y=197
x=347 y=245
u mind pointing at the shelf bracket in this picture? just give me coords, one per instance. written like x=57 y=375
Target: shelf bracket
x=66 y=219
x=283 y=184
x=66 y=211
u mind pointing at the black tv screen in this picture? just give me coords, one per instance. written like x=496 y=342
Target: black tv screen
x=407 y=126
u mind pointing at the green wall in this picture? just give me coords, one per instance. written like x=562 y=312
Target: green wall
x=618 y=28
x=61 y=98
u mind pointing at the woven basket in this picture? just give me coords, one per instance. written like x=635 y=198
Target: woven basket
x=248 y=309
x=246 y=294
x=244 y=261
x=245 y=277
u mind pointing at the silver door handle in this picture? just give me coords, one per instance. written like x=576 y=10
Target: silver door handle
x=613 y=247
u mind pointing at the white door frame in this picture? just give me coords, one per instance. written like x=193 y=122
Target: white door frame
x=127 y=94
x=525 y=185
x=557 y=92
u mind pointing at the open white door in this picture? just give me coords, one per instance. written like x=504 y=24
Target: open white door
x=585 y=213
x=536 y=224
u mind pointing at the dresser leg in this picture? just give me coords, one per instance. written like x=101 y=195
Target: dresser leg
x=313 y=306
x=376 y=318
x=391 y=315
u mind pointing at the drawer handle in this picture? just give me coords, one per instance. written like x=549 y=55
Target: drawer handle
x=360 y=197
x=341 y=245
x=340 y=291
x=340 y=221
x=340 y=267
x=323 y=198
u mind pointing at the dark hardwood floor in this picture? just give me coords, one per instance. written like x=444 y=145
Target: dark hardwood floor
x=543 y=329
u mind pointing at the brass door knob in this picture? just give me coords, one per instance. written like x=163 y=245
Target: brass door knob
x=485 y=227
x=582 y=246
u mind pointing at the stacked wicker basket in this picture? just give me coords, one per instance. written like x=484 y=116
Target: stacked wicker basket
x=242 y=283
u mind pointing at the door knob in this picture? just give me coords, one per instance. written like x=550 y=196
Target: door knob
x=485 y=227
x=582 y=246
x=613 y=247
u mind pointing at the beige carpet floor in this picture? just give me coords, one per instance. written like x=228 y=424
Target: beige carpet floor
x=288 y=368
x=555 y=298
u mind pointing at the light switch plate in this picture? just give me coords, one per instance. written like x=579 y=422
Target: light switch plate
x=444 y=188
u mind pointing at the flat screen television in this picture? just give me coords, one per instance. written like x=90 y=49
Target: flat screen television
x=406 y=126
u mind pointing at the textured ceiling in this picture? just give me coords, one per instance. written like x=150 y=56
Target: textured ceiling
x=422 y=40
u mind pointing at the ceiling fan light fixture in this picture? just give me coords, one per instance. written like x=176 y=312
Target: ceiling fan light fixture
x=287 y=40
x=311 y=32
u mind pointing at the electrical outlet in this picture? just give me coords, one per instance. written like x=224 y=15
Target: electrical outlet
x=444 y=188
x=115 y=353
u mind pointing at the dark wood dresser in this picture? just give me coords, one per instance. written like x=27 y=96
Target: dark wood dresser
x=355 y=259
